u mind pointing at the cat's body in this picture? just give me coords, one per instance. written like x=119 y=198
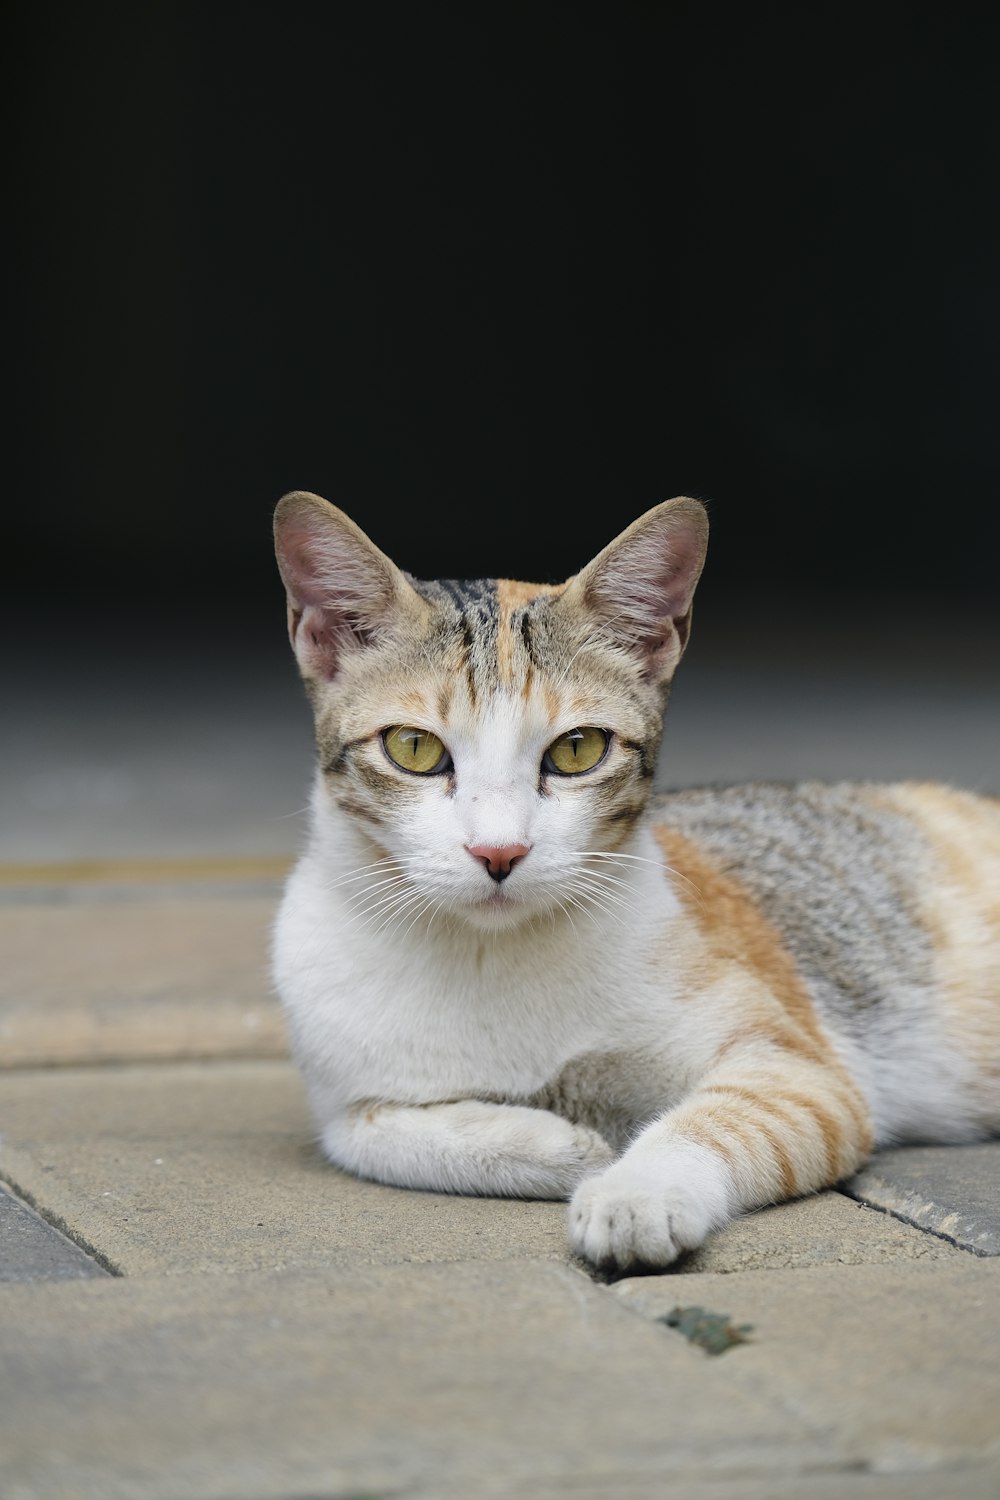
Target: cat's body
x=507 y=969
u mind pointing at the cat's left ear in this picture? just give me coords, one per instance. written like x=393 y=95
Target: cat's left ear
x=343 y=592
x=641 y=587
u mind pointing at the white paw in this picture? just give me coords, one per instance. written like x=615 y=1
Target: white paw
x=647 y=1214
x=570 y=1154
x=466 y=1146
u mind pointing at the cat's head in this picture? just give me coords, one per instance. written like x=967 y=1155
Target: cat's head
x=495 y=739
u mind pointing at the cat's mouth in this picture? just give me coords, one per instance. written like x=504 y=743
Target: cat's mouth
x=498 y=907
x=498 y=896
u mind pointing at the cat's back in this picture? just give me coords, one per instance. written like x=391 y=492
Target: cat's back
x=847 y=848
x=886 y=898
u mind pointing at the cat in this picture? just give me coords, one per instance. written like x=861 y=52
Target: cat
x=508 y=968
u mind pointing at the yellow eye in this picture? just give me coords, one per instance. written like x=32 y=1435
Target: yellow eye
x=579 y=750
x=415 y=749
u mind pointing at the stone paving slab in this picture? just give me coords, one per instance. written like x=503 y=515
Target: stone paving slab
x=390 y=1381
x=899 y=1360
x=137 y=977
x=492 y=1379
x=32 y=1250
x=827 y=1229
x=213 y=1167
x=974 y=1482
x=952 y=1193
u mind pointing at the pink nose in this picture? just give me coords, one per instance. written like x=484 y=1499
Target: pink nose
x=498 y=862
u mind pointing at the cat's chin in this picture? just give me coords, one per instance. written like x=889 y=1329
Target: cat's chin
x=499 y=913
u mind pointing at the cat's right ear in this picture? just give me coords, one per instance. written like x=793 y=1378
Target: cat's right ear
x=342 y=591
x=640 y=590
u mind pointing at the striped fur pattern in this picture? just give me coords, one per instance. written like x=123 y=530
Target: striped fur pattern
x=503 y=979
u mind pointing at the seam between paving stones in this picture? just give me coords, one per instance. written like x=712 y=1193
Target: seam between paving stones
x=891 y=1213
x=56 y=1221
x=605 y=1281
x=698 y=1478
x=61 y=898
x=140 y=1060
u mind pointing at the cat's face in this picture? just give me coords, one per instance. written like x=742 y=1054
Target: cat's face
x=493 y=740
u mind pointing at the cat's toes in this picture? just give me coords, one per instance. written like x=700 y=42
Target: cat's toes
x=620 y=1220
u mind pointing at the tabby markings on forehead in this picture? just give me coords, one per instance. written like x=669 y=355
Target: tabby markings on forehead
x=515 y=594
x=444 y=699
x=493 y=618
x=461 y=594
x=472 y=608
x=414 y=704
x=525 y=607
x=526 y=637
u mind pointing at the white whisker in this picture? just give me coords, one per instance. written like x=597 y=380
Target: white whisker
x=566 y=913
x=659 y=864
x=438 y=906
x=601 y=894
x=358 y=898
x=579 y=899
x=397 y=899
x=599 y=900
x=428 y=903
x=365 y=902
x=395 y=914
x=607 y=879
x=360 y=872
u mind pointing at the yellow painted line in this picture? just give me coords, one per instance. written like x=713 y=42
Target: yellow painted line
x=145 y=871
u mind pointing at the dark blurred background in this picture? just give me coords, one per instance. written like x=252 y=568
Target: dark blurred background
x=496 y=279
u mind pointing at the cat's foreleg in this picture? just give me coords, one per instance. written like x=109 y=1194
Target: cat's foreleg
x=748 y=1135
x=465 y=1146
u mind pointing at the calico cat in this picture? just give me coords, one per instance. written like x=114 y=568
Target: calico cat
x=509 y=969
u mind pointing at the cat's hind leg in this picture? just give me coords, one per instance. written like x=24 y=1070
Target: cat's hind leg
x=465 y=1146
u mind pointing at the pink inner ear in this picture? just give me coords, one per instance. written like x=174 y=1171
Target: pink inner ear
x=674 y=576
x=654 y=578
x=317 y=637
x=308 y=563
x=339 y=589
x=644 y=584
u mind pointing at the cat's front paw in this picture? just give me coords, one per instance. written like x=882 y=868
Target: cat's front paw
x=632 y=1215
x=541 y=1155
